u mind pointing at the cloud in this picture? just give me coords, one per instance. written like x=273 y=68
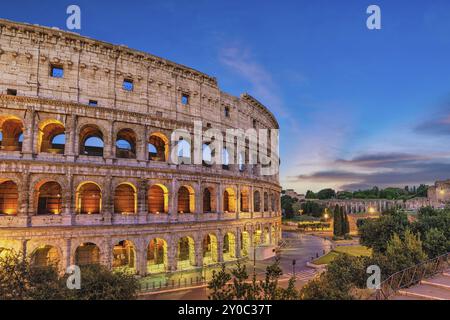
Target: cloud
x=386 y=169
x=438 y=124
x=241 y=61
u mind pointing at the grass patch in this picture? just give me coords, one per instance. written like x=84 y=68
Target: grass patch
x=357 y=251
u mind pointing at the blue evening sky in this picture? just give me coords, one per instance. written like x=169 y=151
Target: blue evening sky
x=356 y=107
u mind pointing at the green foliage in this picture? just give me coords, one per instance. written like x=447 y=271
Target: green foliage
x=326 y=194
x=19 y=280
x=312 y=208
x=287 y=206
x=436 y=243
x=375 y=233
x=310 y=195
x=240 y=288
x=337 y=222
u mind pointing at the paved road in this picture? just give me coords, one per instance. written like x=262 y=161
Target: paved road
x=300 y=247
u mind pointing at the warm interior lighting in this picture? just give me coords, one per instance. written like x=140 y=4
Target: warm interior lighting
x=326 y=216
x=371 y=210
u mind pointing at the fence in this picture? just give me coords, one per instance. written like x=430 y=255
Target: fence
x=411 y=276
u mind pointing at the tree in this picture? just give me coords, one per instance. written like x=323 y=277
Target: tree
x=326 y=194
x=286 y=206
x=337 y=222
x=218 y=285
x=310 y=195
x=376 y=233
x=345 y=222
x=435 y=243
x=422 y=191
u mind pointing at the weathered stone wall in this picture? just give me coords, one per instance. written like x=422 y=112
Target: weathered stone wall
x=94 y=70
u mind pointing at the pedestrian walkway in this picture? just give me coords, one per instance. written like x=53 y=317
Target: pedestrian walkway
x=436 y=288
x=303 y=275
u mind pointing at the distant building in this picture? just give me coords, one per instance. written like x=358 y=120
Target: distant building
x=439 y=194
x=291 y=193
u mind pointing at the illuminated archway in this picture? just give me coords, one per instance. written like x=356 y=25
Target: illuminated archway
x=49 y=198
x=11 y=129
x=186 y=253
x=210 y=249
x=245 y=243
x=266 y=236
x=229 y=246
x=266 y=202
x=158 y=199
x=124 y=256
x=45 y=256
x=125 y=199
x=209 y=203
x=158 y=147
x=88 y=198
x=256 y=201
x=9 y=197
x=229 y=200
x=244 y=201
x=51 y=137
x=126 y=144
x=186 y=199
x=87 y=254
x=91 y=141
x=157 y=260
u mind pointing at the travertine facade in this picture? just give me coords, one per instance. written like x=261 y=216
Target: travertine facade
x=85 y=174
x=439 y=194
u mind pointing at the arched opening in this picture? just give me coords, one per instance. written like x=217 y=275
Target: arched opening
x=245 y=243
x=157 y=260
x=88 y=198
x=126 y=144
x=207 y=155
x=229 y=200
x=266 y=236
x=45 y=256
x=125 y=199
x=244 y=201
x=91 y=141
x=266 y=202
x=210 y=249
x=87 y=254
x=52 y=137
x=229 y=246
x=274 y=234
x=186 y=200
x=186 y=253
x=184 y=152
x=209 y=203
x=124 y=256
x=225 y=159
x=272 y=202
x=158 y=147
x=9 y=197
x=257 y=235
x=158 y=199
x=49 y=198
x=256 y=201
x=11 y=129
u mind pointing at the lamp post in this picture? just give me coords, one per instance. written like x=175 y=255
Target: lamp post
x=293 y=266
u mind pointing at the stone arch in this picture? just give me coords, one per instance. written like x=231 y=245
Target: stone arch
x=272 y=202
x=158 y=147
x=266 y=235
x=124 y=256
x=158 y=199
x=245 y=243
x=256 y=201
x=229 y=200
x=48 y=199
x=11 y=133
x=125 y=199
x=91 y=141
x=9 y=197
x=186 y=199
x=88 y=198
x=229 y=246
x=157 y=256
x=209 y=200
x=87 y=253
x=126 y=142
x=45 y=256
x=51 y=136
x=210 y=249
x=266 y=202
x=245 y=200
x=186 y=253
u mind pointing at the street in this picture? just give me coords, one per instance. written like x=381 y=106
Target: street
x=300 y=247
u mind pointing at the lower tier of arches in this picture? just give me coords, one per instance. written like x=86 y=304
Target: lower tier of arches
x=143 y=249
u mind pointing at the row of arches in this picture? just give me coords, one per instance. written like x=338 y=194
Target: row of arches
x=157 y=256
x=48 y=199
x=91 y=142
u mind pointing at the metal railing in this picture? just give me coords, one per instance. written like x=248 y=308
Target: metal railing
x=411 y=276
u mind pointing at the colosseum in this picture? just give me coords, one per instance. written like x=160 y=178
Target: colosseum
x=85 y=171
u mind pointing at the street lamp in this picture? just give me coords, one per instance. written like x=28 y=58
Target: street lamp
x=293 y=266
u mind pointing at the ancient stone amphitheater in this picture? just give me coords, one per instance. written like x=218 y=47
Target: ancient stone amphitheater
x=85 y=171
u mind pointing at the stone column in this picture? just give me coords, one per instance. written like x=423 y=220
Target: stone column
x=142 y=204
x=172 y=251
x=219 y=201
x=68 y=199
x=198 y=251
x=220 y=246
x=28 y=134
x=109 y=150
x=107 y=200
x=238 y=243
x=238 y=201
x=173 y=200
x=71 y=135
